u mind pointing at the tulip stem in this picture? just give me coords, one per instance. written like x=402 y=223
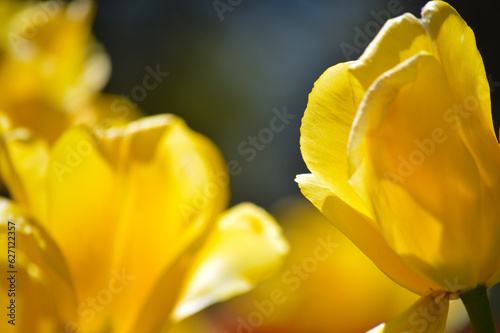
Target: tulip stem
x=478 y=307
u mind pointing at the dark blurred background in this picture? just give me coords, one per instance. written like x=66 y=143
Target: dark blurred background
x=230 y=67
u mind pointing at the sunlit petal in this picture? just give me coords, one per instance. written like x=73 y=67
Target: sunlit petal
x=399 y=39
x=155 y=186
x=427 y=315
x=363 y=232
x=325 y=131
x=401 y=141
x=244 y=248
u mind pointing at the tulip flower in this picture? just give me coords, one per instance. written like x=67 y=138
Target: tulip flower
x=52 y=68
x=405 y=162
x=127 y=233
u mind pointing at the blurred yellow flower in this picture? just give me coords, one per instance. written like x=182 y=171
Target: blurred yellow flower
x=127 y=234
x=405 y=161
x=325 y=285
x=52 y=68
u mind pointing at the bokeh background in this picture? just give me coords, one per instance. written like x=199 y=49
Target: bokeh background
x=231 y=71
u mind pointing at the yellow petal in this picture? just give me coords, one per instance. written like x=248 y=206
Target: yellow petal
x=459 y=57
x=82 y=218
x=51 y=65
x=155 y=313
x=23 y=164
x=363 y=232
x=412 y=164
x=456 y=45
x=24 y=155
x=245 y=248
x=60 y=51
x=399 y=39
x=42 y=290
x=325 y=131
x=427 y=315
x=132 y=203
x=196 y=189
x=209 y=272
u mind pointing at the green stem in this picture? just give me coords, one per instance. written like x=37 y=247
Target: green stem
x=478 y=307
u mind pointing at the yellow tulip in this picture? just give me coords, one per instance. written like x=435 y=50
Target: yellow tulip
x=126 y=234
x=405 y=161
x=52 y=68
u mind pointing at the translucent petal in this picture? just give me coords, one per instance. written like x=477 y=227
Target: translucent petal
x=399 y=39
x=410 y=160
x=325 y=131
x=455 y=45
x=23 y=164
x=244 y=248
x=427 y=315
x=363 y=232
